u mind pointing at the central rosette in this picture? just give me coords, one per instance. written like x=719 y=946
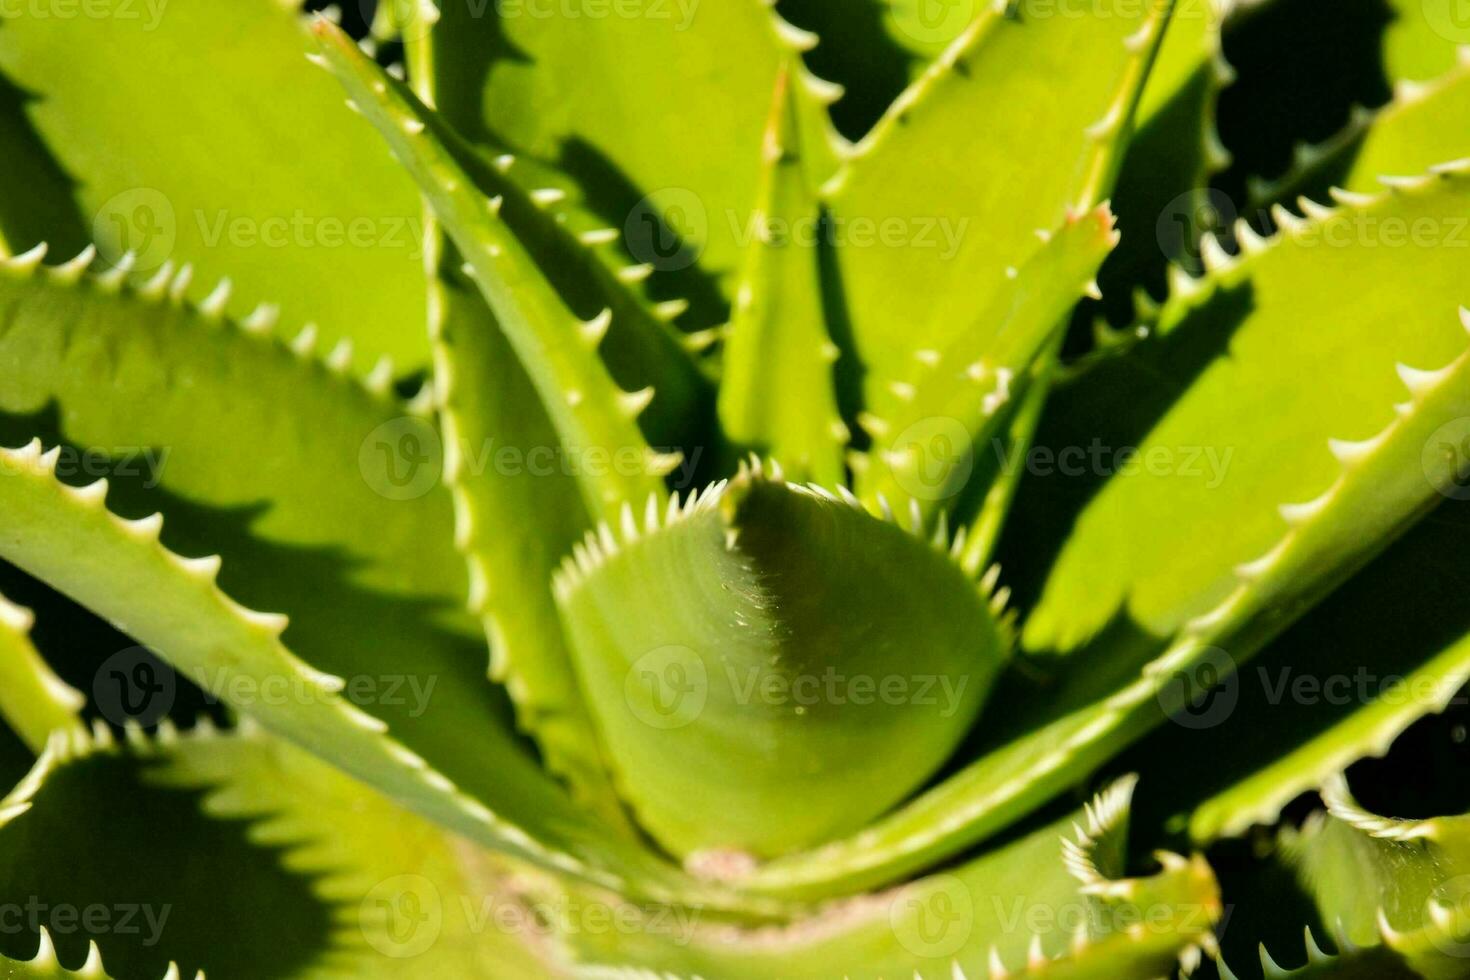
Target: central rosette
x=771 y=666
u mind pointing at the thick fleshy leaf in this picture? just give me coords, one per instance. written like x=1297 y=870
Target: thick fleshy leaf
x=614 y=136
x=946 y=405
x=949 y=189
x=762 y=679
x=324 y=502
x=406 y=897
x=1362 y=493
x=142 y=884
x=66 y=537
x=1162 y=194
x=1423 y=125
x=777 y=395
x=1240 y=339
x=1052 y=903
x=1421 y=39
x=590 y=414
x=1391 y=893
x=34 y=702
x=1339 y=686
x=198 y=160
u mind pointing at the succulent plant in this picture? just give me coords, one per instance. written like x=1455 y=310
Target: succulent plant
x=851 y=609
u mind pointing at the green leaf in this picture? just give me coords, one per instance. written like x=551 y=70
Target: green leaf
x=1054 y=902
x=615 y=137
x=406 y=894
x=1339 y=686
x=961 y=173
x=111 y=887
x=324 y=502
x=1420 y=42
x=1240 y=339
x=557 y=349
x=1162 y=196
x=515 y=523
x=777 y=395
x=1423 y=125
x=1273 y=557
x=761 y=680
x=66 y=537
x=950 y=401
x=34 y=702
x=1392 y=891
x=227 y=176
x=43 y=965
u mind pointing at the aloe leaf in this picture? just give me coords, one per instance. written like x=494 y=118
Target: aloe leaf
x=1420 y=41
x=1162 y=199
x=558 y=350
x=737 y=701
x=515 y=524
x=402 y=890
x=34 y=702
x=1392 y=893
x=777 y=395
x=66 y=537
x=1231 y=332
x=579 y=253
x=951 y=400
x=1361 y=495
x=954 y=225
x=1420 y=127
x=105 y=355
x=520 y=366
x=282 y=219
x=1339 y=686
x=135 y=901
x=613 y=136
x=325 y=502
x=43 y=965
x=1055 y=902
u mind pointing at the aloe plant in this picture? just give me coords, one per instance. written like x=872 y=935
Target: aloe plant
x=601 y=503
